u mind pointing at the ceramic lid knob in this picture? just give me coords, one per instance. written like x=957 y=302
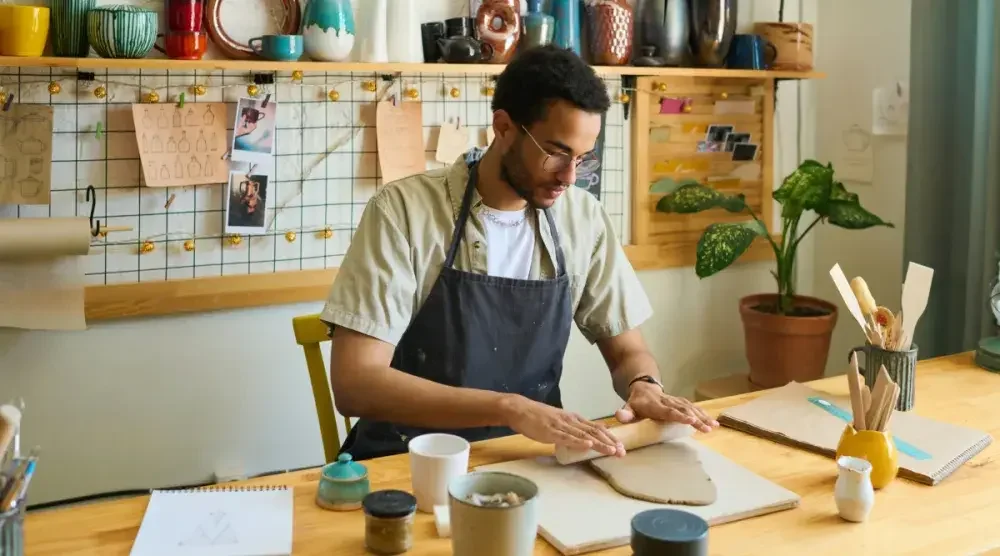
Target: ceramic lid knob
x=669 y=533
x=345 y=469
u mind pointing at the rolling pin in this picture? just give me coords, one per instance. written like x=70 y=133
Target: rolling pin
x=633 y=436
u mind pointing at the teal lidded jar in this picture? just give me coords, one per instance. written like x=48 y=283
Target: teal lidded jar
x=343 y=484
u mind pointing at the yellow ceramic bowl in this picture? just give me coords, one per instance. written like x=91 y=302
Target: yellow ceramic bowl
x=23 y=30
x=875 y=447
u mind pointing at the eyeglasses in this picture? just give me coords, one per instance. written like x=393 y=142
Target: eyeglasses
x=557 y=162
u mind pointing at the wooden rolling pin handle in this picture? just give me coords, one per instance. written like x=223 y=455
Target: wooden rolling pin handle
x=633 y=435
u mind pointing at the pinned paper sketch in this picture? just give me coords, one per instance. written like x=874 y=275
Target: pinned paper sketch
x=854 y=160
x=181 y=146
x=25 y=155
x=891 y=110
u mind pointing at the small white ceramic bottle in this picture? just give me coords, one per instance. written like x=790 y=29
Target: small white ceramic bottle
x=853 y=492
x=403 y=31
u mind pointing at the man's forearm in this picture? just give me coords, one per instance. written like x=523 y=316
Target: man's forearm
x=386 y=394
x=629 y=368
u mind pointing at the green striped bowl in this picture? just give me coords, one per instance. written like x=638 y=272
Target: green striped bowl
x=121 y=31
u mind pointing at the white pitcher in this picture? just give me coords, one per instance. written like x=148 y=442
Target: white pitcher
x=853 y=492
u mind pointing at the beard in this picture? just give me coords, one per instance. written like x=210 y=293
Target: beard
x=514 y=172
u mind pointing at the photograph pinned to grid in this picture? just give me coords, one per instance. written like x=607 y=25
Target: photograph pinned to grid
x=246 y=202
x=254 y=130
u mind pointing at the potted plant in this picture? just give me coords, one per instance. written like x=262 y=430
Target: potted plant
x=787 y=335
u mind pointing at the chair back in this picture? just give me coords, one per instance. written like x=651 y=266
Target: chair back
x=310 y=332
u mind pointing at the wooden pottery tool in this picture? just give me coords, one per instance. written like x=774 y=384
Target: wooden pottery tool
x=844 y=287
x=633 y=435
x=854 y=384
x=10 y=422
x=916 y=289
x=868 y=306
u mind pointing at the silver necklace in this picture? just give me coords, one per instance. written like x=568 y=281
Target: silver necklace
x=504 y=223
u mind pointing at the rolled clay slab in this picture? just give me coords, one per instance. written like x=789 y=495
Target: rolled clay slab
x=633 y=436
x=666 y=473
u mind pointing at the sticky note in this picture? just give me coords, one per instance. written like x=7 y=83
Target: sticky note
x=671 y=106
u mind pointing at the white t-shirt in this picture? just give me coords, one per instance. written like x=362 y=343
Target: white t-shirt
x=510 y=248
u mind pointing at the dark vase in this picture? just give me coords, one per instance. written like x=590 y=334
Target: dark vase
x=713 y=23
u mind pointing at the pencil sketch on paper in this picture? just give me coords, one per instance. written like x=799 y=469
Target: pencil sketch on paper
x=170 y=138
x=25 y=154
x=215 y=530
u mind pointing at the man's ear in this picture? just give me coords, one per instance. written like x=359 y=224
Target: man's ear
x=504 y=128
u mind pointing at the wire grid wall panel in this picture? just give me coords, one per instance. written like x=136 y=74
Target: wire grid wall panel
x=325 y=166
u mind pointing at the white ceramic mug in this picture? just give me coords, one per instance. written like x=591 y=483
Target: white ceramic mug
x=436 y=459
x=491 y=531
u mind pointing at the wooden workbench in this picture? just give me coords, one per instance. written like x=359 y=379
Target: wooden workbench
x=958 y=516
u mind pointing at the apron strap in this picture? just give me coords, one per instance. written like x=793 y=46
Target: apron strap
x=463 y=218
x=463 y=215
x=560 y=258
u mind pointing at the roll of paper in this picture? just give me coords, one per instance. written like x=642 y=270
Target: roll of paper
x=41 y=276
x=43 y=238
x=633 y=436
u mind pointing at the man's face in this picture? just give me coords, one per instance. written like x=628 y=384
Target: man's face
x=566 y=132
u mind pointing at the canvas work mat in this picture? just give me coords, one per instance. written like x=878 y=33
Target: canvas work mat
x=929 y=450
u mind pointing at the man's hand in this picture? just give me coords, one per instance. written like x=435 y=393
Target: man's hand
x=551 y=425
x=648 y=401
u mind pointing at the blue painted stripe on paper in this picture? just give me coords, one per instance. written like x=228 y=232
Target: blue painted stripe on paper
x=901 y=445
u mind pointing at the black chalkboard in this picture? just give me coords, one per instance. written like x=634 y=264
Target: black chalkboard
x=592 y=183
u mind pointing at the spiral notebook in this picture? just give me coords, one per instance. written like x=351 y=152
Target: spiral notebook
x=217 y=521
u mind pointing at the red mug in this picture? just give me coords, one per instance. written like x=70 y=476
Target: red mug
x=184 y=16
x=183 y=46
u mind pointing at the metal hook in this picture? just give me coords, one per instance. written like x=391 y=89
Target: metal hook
x=266 y=100
x=95 y=226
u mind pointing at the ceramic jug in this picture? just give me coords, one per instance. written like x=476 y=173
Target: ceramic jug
x=539 y=27
x=853 y=491
x=403 y=31
x=328 y=30
x=498 y=24
x=373 y=19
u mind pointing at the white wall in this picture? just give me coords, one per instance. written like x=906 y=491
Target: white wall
x=166 y=401
x=861 y=45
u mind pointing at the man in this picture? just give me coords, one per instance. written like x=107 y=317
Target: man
x=453 y=306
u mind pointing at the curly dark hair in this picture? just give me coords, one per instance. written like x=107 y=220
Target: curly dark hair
x=540 y=75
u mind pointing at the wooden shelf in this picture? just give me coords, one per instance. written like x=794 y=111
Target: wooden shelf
x=91 y=64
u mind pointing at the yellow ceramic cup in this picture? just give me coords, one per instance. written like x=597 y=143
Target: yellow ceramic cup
x=23 y=30
x=875 y=447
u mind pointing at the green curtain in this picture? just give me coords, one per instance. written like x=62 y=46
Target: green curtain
x=953 y=168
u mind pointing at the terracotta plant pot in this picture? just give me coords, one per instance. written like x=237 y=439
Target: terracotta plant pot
x=781 y=348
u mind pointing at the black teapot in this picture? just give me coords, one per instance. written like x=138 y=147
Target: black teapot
x=464 y=50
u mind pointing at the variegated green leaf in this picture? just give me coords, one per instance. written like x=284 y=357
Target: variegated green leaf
x=722 y=244
x=690 y=198
x=852 y=216
x=807 y=188
x=734 y=203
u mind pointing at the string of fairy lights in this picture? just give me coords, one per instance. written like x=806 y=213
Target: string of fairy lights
x=409 y=91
